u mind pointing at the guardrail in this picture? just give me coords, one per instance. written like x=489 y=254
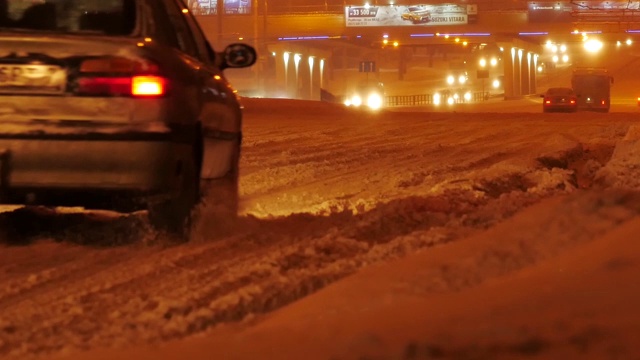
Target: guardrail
x=408 y=100
x=428 y=99
x=417 y=100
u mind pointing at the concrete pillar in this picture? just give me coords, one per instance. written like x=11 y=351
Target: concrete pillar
x=508 y=61
x=298 y=71
x=288 y=73
x=304 y=77
x=402 y=65
x=282 y=61
x=525 y=65
x=533 y=71
x=517 y=72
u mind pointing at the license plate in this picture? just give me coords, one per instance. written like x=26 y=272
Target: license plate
x=32 y=79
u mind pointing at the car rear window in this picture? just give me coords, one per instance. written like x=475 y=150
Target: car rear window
x=102 y=17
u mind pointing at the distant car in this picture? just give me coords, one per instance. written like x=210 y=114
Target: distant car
x=102 y=107
x=416 y=15
x=369 y=95
x=559 y=99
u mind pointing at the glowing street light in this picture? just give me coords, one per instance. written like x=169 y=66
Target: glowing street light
x=593 y=45
x=450 y=79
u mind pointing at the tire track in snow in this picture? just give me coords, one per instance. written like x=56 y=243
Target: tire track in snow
x=141 y=293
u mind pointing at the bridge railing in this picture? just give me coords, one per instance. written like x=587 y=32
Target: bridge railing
x=409 y=100
x=416 y=100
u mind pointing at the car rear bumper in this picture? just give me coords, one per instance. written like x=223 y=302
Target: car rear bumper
x=560 y=107
x=36 y=165
x=593 y=107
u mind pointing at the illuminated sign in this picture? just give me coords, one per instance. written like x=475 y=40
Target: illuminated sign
x=413 y=15
x=564 y=11
x=549 y=12
x=210 y=7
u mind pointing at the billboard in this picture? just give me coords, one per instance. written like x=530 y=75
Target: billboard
x=210 y=7
x=570 y=11
x=411 y=15
x=549 y=11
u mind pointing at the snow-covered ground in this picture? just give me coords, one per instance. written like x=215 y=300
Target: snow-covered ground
x=477 y=233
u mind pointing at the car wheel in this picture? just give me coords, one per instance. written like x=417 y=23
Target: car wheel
x=174 y=215
x=218 y=214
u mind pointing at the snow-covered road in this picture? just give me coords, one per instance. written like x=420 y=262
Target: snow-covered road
x=326 y=191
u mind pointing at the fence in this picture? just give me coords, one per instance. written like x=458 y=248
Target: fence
x=416 y=100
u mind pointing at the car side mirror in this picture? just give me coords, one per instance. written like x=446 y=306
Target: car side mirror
x=541 y=95
x=238 y=56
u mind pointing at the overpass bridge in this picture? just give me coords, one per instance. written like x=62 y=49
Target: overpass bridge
x=304 y=52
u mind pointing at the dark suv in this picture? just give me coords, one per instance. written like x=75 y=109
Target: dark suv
x=116 y=104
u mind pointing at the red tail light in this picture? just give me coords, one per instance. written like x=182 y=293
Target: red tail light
x=603 y=102
x=148 y=85
x=113 y=76
x=116 y=86
x=547 y=101
x=573 y=101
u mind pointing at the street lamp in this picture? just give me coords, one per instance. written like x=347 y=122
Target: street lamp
x=593 y=45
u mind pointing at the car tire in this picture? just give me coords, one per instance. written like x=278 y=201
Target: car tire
x=218 y=214
x=173 y=215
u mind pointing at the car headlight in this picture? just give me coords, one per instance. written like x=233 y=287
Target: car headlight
x=436 y=99
x=356 y=100
x=374 y=101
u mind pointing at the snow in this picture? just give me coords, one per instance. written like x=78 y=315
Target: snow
x=407 y=234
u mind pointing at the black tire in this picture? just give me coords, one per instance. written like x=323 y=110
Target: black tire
x=173 y=216
x=218 y=214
